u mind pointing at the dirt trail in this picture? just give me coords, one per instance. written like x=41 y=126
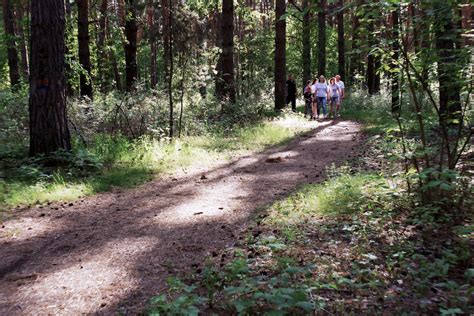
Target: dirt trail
x=113 y=251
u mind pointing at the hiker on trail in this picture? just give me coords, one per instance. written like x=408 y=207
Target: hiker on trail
x=308 y=99
x=314 y=107
x=291 y=92
x=335 y=93
x=342 y=95
x=322 y=94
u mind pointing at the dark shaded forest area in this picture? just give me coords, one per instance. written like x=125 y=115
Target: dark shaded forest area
x=180 y=114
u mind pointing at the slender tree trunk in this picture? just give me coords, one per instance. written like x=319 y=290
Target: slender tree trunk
x=395 y=68
x=306 y=44
x=9 y=24
x=341 y=48
x=84 y=51
x=22 y=39
x=371 y=60
x=219 y=82
x=227 y=57
x=322 y=37
x=448 y=65
x=152 y=39
x=131 y=67
x=47 y=105
x=101 y=44
x=280 y=54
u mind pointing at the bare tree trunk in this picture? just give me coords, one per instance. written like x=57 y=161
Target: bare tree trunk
x=49 y=130
x=341 y=48
x=22 y=39
x=9 y=23
x=84 y=51
x=152 y=40
x=227 y=57
x=280 y=54
x=306 y=43
x=131 y=67
x=395 y=68
x=101 y=44
x=322 y=37
x=449 y=86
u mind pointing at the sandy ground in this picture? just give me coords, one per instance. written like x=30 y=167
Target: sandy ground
x=110 y=253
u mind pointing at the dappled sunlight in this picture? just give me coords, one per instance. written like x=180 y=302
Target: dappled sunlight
x=87 y=278
x=128 y=242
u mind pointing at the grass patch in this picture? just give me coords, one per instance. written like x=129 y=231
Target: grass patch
x=115 y=161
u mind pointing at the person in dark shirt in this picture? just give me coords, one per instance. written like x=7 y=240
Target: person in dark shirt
x=291 y=92
x=308 y=99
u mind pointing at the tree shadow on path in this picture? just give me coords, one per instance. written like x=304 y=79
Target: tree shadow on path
x=116 y=249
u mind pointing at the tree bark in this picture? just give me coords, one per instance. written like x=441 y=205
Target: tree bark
x=84 y=51
x=322 y=37
x=131 y=67
x=341 y=48
x=227 y=57
x=47 y=104
x=280 y=55
x=306 y=43
x=9 y=24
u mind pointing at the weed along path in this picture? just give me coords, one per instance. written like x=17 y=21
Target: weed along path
x=110 y=253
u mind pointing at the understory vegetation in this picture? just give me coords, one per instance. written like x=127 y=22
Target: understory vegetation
x=362 y=242
x=114 y=149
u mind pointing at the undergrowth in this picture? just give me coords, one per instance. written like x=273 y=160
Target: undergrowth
x=116 y=161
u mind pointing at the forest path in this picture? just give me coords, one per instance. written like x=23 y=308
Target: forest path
x=113 y=251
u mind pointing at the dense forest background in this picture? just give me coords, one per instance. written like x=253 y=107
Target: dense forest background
x=100 y=94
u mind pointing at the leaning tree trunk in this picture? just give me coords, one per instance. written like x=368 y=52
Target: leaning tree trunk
x=9 y=23
x=227 y=56
x=84 y=51
x=341 y=48
x=322 y=37
x=47 y=105
x=306 y=43
x=280 y=54
x=131 y=67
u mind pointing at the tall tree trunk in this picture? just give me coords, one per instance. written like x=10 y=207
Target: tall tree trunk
x=219 y=82
x=9 y=23
x=306 y=43
x=280 y=54
x=394 y=67
x=371 y=59
x=47 y=105
x=152 y=39
x=166 y=6
x=341 y=48
x=84 y=51
x=22 y=39
x=131 y=67
x=227 y=56
x=322 y=37
x=448 y=65
x=101 y=44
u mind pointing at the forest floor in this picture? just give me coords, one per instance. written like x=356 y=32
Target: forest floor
x=111 y=252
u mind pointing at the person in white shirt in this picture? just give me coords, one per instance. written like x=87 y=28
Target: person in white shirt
x=314 y=107
x=342 y=95
x=322 y=94
x=335 y=93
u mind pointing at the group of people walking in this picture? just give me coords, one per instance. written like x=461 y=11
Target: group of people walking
x=317 y=94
